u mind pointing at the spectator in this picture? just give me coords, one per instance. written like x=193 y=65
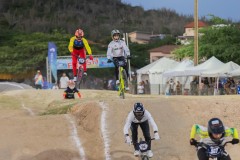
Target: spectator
x=167 y=89
x=232 y=86
x=193 y=86
x=133 y=84
x=171 y=86
x=64 y=81
x=38 y=80
x=147 y=87
x=205 y=86
x=178 y=88
x=140 y=88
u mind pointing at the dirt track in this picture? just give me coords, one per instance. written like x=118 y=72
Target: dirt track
x=26 y=134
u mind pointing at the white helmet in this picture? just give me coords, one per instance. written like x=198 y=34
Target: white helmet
x=115 y=31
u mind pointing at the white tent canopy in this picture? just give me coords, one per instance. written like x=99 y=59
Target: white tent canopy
x=153 y=72
x=235 y=72
x=158 y=66
x=221 y=71
x=179 y=70
x=210 y=64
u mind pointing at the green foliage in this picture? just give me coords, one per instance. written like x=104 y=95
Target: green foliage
x=222 y=42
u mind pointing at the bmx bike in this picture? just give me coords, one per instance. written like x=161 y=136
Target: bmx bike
x=214 y=152
x=122 y=75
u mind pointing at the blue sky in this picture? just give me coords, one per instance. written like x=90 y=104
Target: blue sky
x=221 y=8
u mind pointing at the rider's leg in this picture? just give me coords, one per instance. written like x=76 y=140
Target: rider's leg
x=134 y=129
x=225 y=157
x=116 y=67
x=74 y=62
x=146 y=133
x=202 y=154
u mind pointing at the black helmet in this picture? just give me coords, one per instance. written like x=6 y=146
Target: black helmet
x=215 y=126
x=138 y=110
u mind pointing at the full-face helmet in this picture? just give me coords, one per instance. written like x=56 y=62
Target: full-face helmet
x=138 y=110
x=215 y=126
x=79 y=33
x=115 y=32
x=71 y=84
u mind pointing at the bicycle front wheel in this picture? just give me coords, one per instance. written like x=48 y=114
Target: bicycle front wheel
x=145 y=158
x=79 y=77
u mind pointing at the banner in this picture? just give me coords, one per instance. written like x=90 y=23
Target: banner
x=52 y=59
x=95 y=63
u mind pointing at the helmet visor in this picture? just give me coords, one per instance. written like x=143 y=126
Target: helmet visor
x=138 y=115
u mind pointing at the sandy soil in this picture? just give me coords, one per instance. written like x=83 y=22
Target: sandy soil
x=28 y=134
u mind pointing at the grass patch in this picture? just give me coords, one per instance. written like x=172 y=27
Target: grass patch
x=9 y=102
x=54 y=111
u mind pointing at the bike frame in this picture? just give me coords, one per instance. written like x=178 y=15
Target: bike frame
x=121 y=89
x=80 y=71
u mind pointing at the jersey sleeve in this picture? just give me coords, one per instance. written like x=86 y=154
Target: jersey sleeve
x=109 y=51
x=231 y=132
x=151 y=120
x=126 y=49
x=70 y=45
x=87 y=47
x=128 y=123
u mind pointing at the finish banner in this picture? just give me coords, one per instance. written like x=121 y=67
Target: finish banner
x=100 y=62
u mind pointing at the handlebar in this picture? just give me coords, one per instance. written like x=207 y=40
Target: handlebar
x=201 y=144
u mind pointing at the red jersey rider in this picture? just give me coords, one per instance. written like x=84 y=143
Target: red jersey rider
x=78 y=47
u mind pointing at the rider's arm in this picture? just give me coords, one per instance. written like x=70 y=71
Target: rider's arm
x=126 y=49
x=231 y=132
x=70 y=45
x=193 y=131
x=128 y=123
x=85 y=42
x=199 y=130
x=151 y=120
x=109 y=51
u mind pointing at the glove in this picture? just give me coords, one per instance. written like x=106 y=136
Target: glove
x=128 y=140
x=193 y=142
x=79 y=95
x=109 y=61
x=91 y=57
x=129 y=57
x=156 y=136
x=235 y=141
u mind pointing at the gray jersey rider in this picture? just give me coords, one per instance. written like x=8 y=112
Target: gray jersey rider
x=117 y=49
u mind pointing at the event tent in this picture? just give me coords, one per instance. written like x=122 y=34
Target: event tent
x=153 y=73
x=210 y=64
x=221 y=71
x=179 y=70
x=235 y=72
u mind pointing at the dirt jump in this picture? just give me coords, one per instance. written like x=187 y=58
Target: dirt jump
x=41 y=125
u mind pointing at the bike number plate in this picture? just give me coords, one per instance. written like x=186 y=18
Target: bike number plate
x=121 y=63
x=214 y=151
x=81 y=60
x=143 y=146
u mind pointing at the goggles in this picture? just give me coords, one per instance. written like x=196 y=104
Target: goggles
x=138 y=114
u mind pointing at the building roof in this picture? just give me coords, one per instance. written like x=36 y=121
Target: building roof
x=140 y=32
x=166 y=49
x=191 y=24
